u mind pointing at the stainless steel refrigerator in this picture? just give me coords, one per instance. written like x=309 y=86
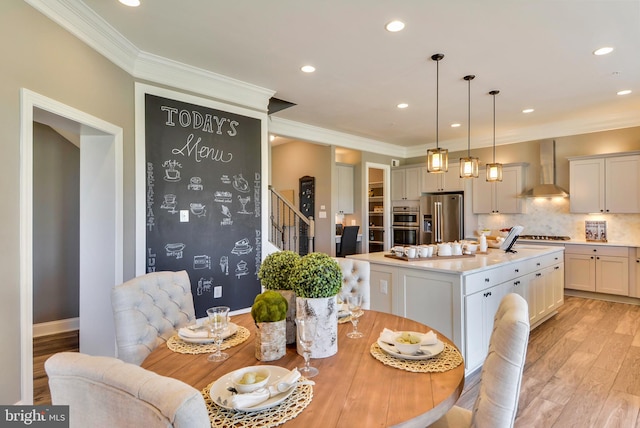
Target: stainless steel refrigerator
x=442 y=217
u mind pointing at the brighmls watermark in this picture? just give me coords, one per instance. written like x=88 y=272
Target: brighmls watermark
x=34 y=416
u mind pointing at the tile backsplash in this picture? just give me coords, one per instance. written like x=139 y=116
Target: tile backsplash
x=552 y=217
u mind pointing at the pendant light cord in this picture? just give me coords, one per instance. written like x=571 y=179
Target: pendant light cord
x=493 y=94
x=437 y=100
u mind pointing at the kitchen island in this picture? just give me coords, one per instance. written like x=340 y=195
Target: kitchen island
x=460 y=295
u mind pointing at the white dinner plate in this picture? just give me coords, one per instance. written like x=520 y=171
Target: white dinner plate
x=230 y=331
x=427 y=351
x=219 y=392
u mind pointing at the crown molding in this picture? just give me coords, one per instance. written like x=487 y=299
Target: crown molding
x=81 y=21
x=302 y=131
x=162 y=70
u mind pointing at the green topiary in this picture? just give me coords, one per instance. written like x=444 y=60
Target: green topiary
x=316 y=275
x=276 y=268
x=269 y=306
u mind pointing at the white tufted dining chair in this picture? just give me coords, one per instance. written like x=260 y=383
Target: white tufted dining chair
x=501 y=376
x=355 y=279
x=107 y=392
x=148 y=309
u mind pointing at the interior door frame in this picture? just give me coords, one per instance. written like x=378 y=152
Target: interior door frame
x=101 y=230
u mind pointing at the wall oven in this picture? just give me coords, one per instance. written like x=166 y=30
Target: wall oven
x=406 y=225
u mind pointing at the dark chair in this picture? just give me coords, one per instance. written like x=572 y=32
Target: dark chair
x=348 y=241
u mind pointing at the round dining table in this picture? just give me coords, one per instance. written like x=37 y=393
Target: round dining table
x=353 y=389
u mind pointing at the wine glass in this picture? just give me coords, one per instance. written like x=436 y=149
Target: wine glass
x=218 y=323
x=306 y=334
x=354 y=302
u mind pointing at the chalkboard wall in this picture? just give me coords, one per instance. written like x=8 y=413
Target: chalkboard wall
x=203 y=209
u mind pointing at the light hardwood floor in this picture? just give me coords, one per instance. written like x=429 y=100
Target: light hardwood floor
x=582 y=368
x=43 y=348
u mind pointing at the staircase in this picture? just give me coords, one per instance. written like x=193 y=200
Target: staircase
x=289 y=229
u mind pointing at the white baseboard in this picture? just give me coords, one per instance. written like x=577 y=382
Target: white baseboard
x=53 y=327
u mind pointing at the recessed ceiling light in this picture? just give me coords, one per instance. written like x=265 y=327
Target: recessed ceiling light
x=528 y=110
x=132 y=3
x=624 y=92
x=394 y=26
x=403 y=105
x=603 y=51
x=456 y=125
x=308 y=68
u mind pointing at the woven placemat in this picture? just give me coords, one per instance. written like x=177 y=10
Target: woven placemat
x=347 y=319
x=271 y=417
x=178 y=345
x=448 y=359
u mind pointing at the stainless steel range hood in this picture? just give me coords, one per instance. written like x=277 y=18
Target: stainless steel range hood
x=547 y=188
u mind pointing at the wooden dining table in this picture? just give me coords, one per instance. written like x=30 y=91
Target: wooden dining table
x=353 y=389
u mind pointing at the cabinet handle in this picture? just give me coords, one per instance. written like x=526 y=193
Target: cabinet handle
x=594 y=250
x=517 y=270
x=487 y=294
x=557 y=267
x=516 y=283
x=538 y=264
x=591 y=257
x=538 y=274
x=598 y=258
x=486 y=280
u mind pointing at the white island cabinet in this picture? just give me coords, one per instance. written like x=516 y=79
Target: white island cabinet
x=459 y=296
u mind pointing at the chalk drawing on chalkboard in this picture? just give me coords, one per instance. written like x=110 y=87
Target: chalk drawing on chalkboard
x=151 y=260
x=198 y=209
x=221 y=196
x=225 y=179
x=226 y=212
x=241 y=269
x=204 y=286
x=242 y=247
x=224 y=264
x=169 y=203
x=244 y=201
x=240 y=183
x=195 y=183
x=175 y=249
x=170 y=172
x=202 y=262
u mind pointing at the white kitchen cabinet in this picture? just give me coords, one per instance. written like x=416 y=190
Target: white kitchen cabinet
x=344 y=188
x=634 y=288
x=606 y=184
x=597 y=268
x=462 y=304
x=480 y=310
x=449 y=181
x=500 y=197
x=405 y=183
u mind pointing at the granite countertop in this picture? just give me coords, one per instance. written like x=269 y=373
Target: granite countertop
x=464 y=266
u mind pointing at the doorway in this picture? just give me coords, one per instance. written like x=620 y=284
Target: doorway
x=378 y=207
x=101 y=225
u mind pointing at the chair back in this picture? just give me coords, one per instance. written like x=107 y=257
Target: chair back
x=107 y=392
x=355 y=280
x=497 y=402
x=348 y=241
x=148 y=309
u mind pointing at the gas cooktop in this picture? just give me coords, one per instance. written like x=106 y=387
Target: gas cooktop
x=545 y=237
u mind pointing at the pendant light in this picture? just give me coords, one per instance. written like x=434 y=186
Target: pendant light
x=469 y=165
x=494 y=170
x=437 y=159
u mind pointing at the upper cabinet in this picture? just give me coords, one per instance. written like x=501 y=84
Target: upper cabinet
x=345 y=188
x=405 y=183
x=502 y=197
x=605 y=184
x=449 y=181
